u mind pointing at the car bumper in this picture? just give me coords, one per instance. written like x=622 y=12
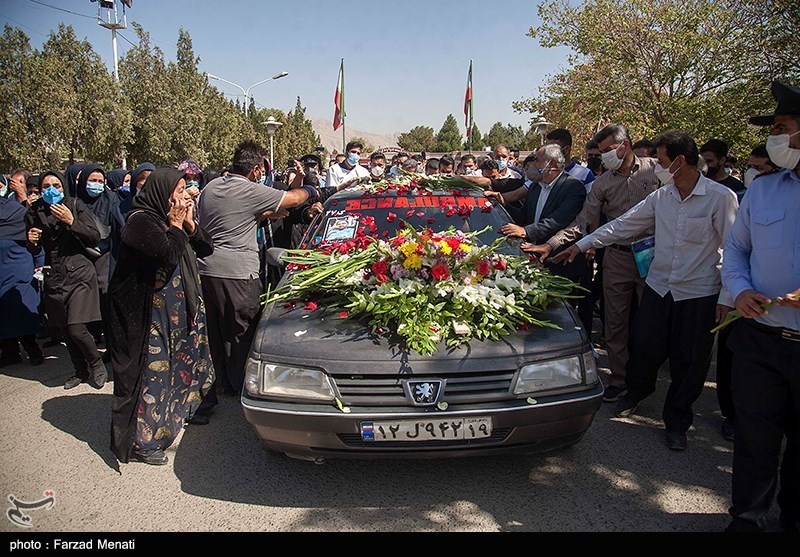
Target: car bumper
x=311 y=431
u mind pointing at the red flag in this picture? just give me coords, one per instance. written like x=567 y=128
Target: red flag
x=468 y=103
x=338 y=100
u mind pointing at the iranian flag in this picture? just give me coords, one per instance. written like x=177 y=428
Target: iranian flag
x=338 y=100
x=468 y=102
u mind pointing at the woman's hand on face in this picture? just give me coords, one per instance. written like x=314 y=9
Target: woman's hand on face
x=62 y=213
x=177 y=211
x=188 y=221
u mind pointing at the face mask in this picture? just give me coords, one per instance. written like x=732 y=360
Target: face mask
x=533 y=174
x=780 y=152
x=193 y=184
x=377 y=171
x=728 y=171
x=502 y=165
x=611 y=160
x=664 y=175
x=3 y=191
x=749 y=176
x=125 y=188
x=52 y=195
x=94 y=189
x=263 y=179
x=353 y=158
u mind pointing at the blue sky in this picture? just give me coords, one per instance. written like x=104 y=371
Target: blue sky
x=405 y=62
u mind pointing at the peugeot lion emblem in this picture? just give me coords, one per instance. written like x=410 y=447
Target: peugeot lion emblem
x=424 y=393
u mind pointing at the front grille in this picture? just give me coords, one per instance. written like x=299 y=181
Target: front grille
x=461 y=388
x=354 y=440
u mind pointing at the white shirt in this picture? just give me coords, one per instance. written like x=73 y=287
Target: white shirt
x=544 y=193
x=509 y=173
x=689 y=237
x=337 y=174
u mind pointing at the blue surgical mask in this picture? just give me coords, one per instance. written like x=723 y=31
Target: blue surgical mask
x=192 y=183
x=353 y=158
x=95 y=189
x=263 y=179
x=502 y=164
x=125 y=188
x=52 y=195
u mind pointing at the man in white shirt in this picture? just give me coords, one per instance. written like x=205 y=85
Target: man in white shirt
x=500 y=154
x=691 y=215
x=349 y=171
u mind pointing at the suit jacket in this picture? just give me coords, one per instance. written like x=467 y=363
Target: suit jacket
x=562 y=206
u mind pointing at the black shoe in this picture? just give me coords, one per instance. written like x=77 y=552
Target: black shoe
x=625 y=408
x=676 y=440
x=154 y=458
x=613 y=394
x=198 y=419
x=10 y=361
x=72 y=382
x=99 y=375
x=728 y=429
x=229 y=393
x=52 y=342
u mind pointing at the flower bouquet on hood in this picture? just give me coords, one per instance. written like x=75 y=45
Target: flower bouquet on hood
x=427 y=287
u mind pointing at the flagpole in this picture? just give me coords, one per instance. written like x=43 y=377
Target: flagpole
x=344 y=114
x=471 y=123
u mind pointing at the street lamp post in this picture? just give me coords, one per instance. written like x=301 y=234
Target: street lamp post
x=541 y=128
x=246 y=91
x=272 y=126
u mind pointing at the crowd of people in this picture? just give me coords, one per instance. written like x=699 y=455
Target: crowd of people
x=165 y=268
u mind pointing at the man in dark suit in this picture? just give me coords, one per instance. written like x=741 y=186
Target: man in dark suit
x=553 y=200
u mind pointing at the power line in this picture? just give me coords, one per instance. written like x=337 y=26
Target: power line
x=125 y=39
x=32 y=30
x=61 y=9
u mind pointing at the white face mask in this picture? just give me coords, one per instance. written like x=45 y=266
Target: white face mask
x=611 y=160
x=728 y=171
x=749 y=176
x=664 y=175
x=377 y=171
x=780 y=153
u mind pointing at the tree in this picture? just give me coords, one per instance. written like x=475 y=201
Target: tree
x=449 y=137
x=477 y=139
x=511 y=136
x=653 y=65
x=16 y=120
x=419 y=138
x=368 y=146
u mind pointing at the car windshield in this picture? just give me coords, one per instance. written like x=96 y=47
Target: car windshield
x=382 y=216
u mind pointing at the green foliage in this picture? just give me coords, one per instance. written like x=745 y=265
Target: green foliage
x=449 y=137
x=477 y=139
x=419 y=138
x=654 y=65
x=511 y=136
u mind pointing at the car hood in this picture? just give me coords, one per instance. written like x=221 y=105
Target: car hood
x=322 y=339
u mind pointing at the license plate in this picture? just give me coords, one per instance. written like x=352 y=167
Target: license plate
x=452 y=429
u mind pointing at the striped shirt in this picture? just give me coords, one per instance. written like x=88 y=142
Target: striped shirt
x=612 y=194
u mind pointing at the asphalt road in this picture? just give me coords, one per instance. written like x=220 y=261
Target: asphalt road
x=620 y=477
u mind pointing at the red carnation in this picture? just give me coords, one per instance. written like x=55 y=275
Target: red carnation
x=310 y=306
x=450 y=212
x=486 y=207
x=343 y=314
x=410 y=213
x=420 y=214
x=440 y=271
x=483 y=267
x=390 y=217
x=385 y=233
x=499 y=264
x=464 y=211
x=453 y=243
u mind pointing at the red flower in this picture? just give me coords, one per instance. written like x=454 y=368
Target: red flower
x=450 y=212
x=456 y=193
x=464 y=211
x=343 y=314
x=453 y=243
x=311 y=306
x=289 y=305
x=533 y=257
x=379 y=267
x=385 y=233
x=523 y=327
x=431 y=220
x=440 y=271
x=410 y=213
x=486 y=207
x=499 y=264
x=420 y=214
x=483 y=267
x=390 y=217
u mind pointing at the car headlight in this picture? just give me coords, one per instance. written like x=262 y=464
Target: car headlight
x=545 y=376
x=590 y=365
x=282 y=381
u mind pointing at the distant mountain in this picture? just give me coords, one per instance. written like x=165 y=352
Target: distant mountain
x=333 y=139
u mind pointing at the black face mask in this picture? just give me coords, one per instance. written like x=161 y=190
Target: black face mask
x=712 y=170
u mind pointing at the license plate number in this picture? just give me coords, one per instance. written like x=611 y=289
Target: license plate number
x=427 y=430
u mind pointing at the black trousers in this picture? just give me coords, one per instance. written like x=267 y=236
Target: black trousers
x=766 y=392
x=10 y=347
x=724 y=373
x=679 y=331
x=82 y=349
x=232 y=310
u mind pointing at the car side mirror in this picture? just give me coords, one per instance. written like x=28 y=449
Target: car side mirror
x=274 y=257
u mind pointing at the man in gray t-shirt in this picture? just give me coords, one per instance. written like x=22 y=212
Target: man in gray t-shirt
x=230 y=209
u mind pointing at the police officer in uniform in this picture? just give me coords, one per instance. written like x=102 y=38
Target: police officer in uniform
x=761 y=268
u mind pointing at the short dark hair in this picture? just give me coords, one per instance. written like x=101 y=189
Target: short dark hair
x=732 y=159
x=447 y=160
x=377 y=156
x=247 y=155
x=591 y=144
x=432 y=162
x=401 y=154
x=646 y=144
x=617 y=131
x=529 y=158
x=514 y=152
x=489 y=164
x=418 y=157
x=676 y=143
x=561 y=135
x=760 y=151
x=467 y=157
x=25 y=174
x=353 y=145
x=716 y=146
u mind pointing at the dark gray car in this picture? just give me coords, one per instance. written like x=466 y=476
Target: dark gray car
x=535 y=390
